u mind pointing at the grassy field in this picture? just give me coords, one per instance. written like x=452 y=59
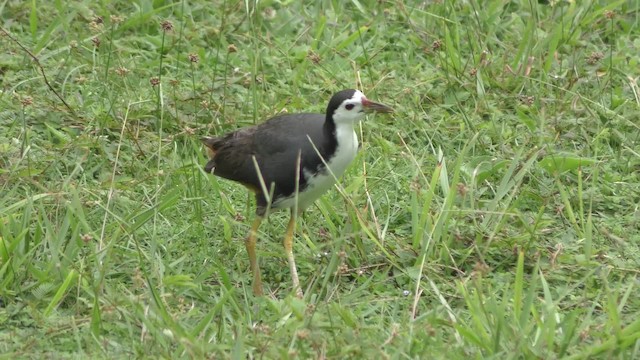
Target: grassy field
x=494 y=215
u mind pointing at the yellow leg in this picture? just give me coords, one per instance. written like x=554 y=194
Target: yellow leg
x=250 y=244
x=288 y=248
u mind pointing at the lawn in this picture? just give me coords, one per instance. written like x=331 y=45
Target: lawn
x=495 y=214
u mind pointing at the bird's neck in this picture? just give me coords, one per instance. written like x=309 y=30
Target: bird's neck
x=341 y=134
x=331 y=128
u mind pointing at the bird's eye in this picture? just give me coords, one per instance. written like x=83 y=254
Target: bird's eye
x=349 y=106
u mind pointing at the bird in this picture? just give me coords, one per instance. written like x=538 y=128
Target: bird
x=288 y=162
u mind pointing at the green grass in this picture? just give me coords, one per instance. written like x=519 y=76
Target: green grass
x=494 y=215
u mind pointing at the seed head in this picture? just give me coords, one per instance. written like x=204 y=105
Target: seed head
x=166 y=25
x=594 y=57
x=26 y=101
x=116 y=19
x=122 y=71
x=437 y=45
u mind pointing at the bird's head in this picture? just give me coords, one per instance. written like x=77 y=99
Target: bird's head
x=350 y=106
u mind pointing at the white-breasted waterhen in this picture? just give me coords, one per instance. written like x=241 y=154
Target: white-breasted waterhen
x=289 y=161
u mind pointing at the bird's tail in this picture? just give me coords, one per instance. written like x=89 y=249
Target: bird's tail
x=212 y=145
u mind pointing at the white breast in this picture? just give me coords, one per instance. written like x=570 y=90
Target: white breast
x=323 y=181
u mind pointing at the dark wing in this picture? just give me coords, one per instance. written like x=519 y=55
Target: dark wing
x=275 y=145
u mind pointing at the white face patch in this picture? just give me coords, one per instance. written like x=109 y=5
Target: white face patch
x=350 y=111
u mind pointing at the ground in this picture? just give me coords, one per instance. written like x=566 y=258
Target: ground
x=494 y=215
